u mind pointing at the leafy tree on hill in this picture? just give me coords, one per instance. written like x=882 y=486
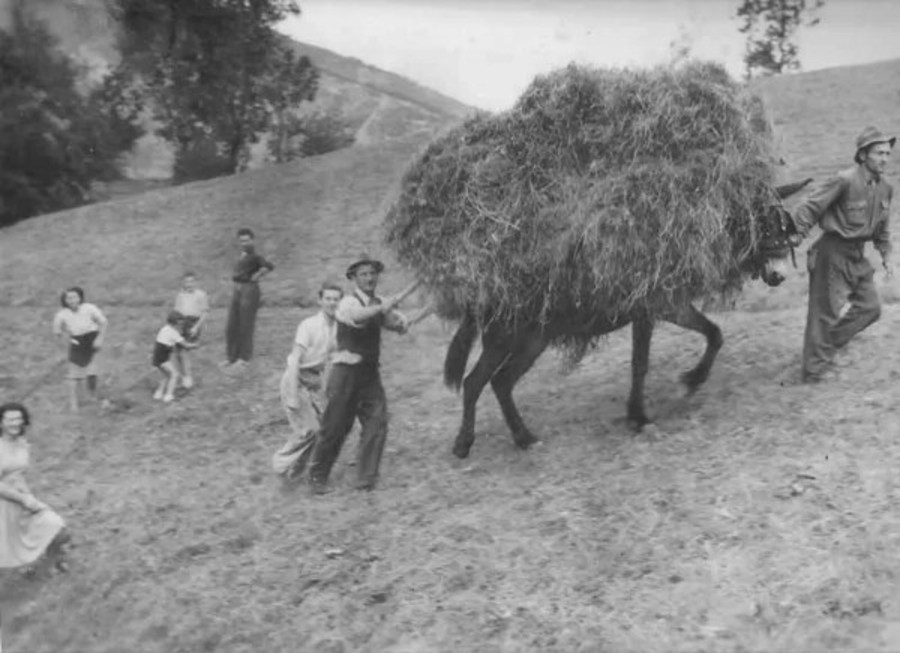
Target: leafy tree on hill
x=216 y=73
x=54 y=141
x=310 y=135
x=771 y=27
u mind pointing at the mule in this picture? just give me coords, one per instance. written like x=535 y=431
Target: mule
x=508 y=353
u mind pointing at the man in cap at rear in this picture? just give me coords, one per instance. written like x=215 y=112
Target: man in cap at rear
x=353 y=388
x=851 y=208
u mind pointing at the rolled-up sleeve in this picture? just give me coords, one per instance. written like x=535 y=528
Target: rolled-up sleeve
x=808 y=214
x=349 y=311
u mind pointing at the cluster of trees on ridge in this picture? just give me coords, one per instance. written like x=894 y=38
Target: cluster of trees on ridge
x=212 y=77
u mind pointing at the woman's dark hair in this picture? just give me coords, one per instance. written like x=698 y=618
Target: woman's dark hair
x=75 y=289
x=15 y=405
x=244 y=231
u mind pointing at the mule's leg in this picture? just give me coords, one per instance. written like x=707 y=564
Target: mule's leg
x=525 y=352
x=494 y=354
x=641 y=335
x=692 y=319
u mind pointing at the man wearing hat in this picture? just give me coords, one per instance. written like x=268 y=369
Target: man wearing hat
x=851 y=208
x=353 y=388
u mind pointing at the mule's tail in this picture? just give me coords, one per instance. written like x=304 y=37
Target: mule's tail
x=458 y=352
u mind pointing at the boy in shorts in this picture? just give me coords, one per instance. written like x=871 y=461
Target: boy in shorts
x=168 y=339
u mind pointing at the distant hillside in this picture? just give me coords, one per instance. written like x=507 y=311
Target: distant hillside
x=377 y=105
x=354 y=71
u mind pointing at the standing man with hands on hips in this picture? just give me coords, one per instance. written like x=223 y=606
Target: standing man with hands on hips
x=851 y=208
x=249 y=269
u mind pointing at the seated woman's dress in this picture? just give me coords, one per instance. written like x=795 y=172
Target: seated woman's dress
x=24 y=535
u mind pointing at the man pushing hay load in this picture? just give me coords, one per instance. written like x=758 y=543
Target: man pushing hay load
x=603 y=198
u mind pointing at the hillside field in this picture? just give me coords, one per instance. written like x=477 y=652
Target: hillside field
x=760 y=516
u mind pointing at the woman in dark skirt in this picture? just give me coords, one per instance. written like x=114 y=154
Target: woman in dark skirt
x=83 y=326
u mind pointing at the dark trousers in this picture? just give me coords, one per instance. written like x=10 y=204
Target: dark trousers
x=241 y=321
x=353 y=392
x=839 y=275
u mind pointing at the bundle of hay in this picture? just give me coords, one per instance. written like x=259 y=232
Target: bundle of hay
x=600 y=191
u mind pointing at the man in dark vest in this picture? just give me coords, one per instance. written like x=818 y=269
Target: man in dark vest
x=851 y=208
x=353 y=388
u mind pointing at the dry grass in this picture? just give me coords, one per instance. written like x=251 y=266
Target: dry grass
x=706 y=540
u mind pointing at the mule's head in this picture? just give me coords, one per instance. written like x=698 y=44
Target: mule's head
x=776 y=230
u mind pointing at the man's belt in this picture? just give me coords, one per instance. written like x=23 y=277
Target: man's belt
x=853 y=241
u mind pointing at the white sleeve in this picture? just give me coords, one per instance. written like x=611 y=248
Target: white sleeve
x=348 y=310
x=305 y=337
x=96 y=315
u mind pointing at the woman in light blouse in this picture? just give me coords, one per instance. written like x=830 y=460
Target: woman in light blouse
x=83 y=326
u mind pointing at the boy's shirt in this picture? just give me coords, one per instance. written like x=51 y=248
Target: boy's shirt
x=169 y=336
x=192 y=304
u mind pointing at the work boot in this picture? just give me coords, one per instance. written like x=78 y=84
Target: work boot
x=318 y=486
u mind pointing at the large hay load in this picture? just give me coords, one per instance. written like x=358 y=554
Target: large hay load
x=600 y=191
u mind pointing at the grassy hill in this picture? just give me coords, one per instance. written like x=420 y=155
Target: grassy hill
x=762 y=518
x=311 y=216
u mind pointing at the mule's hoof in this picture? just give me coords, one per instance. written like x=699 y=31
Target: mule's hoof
x=526 y=440
x=461 y=451
x=691 y=382
x=650 y=432
x=631 y=423
x=637 y=425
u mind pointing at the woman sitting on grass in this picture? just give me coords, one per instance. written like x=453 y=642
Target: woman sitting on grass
x=84 y=327
x=168 y=338
x=28 y=527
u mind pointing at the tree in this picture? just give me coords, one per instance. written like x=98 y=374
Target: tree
x=294 y=80
x=215 y=71
x=54 y=142
x=771 y=27
x=310 y=135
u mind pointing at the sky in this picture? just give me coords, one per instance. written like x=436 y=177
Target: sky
x=485 y=52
